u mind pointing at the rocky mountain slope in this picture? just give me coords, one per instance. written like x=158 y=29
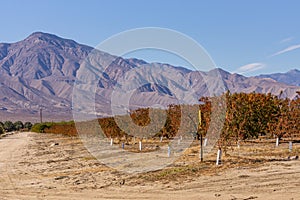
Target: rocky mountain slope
x=41 y=70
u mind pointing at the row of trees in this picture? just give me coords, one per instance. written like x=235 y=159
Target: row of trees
x=252 y=115
x=8 y=126
x=237 y=116
x=242 y=116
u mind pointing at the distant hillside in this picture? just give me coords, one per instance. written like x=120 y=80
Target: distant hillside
x=291 y=77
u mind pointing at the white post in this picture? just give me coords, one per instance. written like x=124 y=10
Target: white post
x=140 y=145
x=161 y=138
x=178 y=141
x=205 y=142
x=290 y=146
x=181 y=137
x=277 y=141
x=219 y=155
x=111 y=141
x=169 y=151
x=238 y=144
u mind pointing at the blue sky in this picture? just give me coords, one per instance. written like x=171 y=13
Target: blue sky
x=248 y=37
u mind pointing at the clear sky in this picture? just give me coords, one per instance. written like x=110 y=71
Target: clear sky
x=249 y=37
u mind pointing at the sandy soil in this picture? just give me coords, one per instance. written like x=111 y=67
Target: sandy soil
x=30 y=168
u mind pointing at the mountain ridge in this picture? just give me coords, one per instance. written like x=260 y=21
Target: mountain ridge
x=292 y=77
x=41 y=70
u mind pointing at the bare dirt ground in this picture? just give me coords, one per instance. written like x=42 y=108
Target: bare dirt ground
x=31 y=168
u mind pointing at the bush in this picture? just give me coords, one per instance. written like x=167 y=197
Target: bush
x=40 y=127
x=66 y=128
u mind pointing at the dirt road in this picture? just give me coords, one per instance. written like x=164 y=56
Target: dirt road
x=10 y=151
x=31 y=167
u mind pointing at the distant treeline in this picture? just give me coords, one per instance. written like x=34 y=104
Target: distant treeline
x=237 y=116
x=9 y=126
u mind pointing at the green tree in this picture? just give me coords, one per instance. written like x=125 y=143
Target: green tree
x=8 y=126
x=18 y=125
x=1 y=128
x=28 y=125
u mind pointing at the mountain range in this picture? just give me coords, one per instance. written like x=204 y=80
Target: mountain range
x=291 y=77
x=41 y=71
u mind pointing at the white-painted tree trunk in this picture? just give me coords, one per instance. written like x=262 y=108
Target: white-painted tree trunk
x=169 y=151
x=277 y=141
x=205 y=142
x=219 y=156
x=290 y=146
x=140 y=145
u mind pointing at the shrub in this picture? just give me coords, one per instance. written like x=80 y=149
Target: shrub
x=66 y=128
x=40 y=127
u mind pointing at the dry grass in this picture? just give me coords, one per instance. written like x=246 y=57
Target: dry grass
x=251 y=154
